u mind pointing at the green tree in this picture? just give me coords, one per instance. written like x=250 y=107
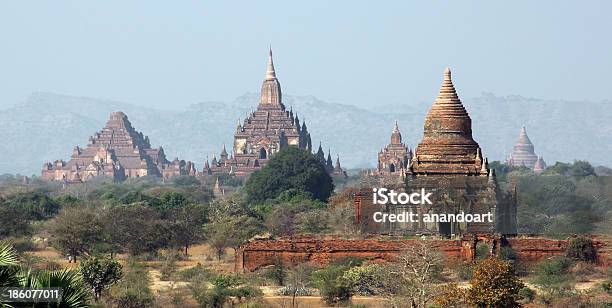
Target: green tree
x=185 y=224
x=133 y=290
x=287 y=217
x=290 y=168
x=13 y=221
x=551 y=204
x=140 y=198
x=135 y=228
x=494 y=284
x=99 y=273
x=186 y=180
x=558 y=168
x=75 y=230
x=173 y=199
x=315 y=221
x=224 y=288
x=552 y=276
x=281 y=220
x=581 y=168
x=333 y=286
x=37 y=204
x=581 y=249
x=230 y=231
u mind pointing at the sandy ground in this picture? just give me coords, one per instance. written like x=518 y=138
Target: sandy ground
x=202 y=254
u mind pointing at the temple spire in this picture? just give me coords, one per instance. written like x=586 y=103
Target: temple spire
x=447 y=146
x=270 y=89
x=523 y=138
x=270 y=72
x=338 y=167
x=396 y=136
x=448 y=94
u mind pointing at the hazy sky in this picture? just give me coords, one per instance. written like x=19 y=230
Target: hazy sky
x=169 y=54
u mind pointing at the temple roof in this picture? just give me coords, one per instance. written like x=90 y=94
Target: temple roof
x=447 y=146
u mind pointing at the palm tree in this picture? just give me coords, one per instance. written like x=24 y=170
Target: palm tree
x=8 y=255
x=8 y=266
x=73 y=291
x=70 y=282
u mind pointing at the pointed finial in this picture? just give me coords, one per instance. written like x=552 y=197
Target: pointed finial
x=396 y=128
x=447 y=74
x=485 y=166
x=270 y=73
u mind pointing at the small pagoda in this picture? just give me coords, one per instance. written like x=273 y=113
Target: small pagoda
x=523 y=154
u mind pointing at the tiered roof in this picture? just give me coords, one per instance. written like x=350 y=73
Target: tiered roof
x=523 y=153
x=395 y=156
x=447 y=146
x=264 y=132
x=118 y=151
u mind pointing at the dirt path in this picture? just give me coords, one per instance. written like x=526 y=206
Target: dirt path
x=158 y=285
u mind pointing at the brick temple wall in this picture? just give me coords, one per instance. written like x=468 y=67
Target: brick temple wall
x=263 y=252
x=322 y=251
x=536 y=249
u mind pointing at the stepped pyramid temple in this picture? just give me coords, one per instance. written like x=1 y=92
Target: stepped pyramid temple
x=117 y=151
x=523 y=154
x=394 y=158
x=266 y=130
x=449 y=163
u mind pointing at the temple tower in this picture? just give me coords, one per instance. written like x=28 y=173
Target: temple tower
x=523 y=153
x=117 y=151
x=394 y=157
x=448 y=162
x=271 y=89
x=447 y=147
x=264 y=132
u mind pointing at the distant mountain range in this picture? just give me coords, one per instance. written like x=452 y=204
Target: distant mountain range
x=47 y=126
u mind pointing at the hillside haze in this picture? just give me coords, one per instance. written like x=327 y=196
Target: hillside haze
x=47 y=126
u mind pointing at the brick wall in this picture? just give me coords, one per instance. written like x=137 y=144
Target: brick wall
x=321 y=251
